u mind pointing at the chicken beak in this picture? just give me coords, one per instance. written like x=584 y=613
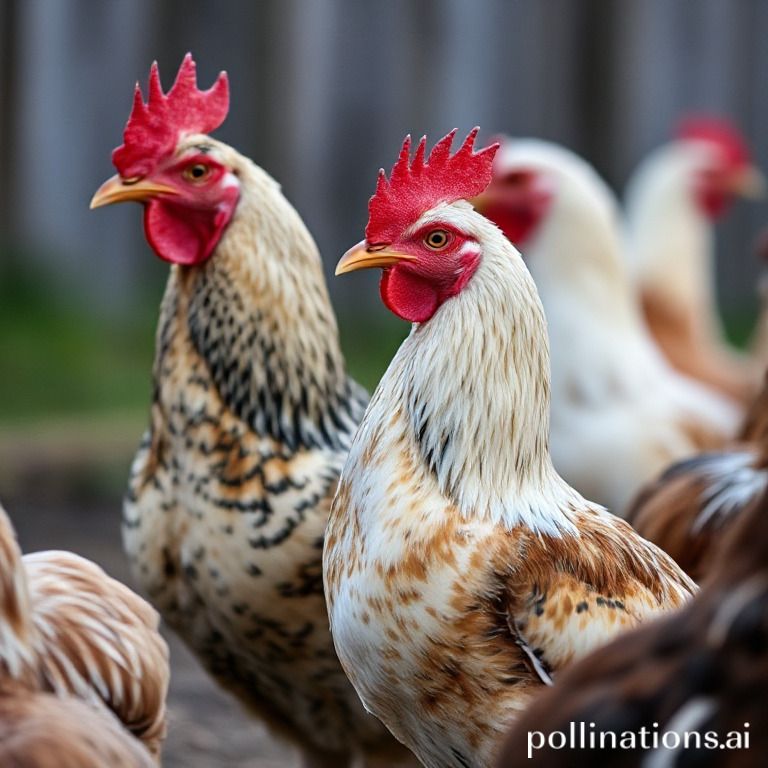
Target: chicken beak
x=749 y=183
x=118 y=190
x=364 y=256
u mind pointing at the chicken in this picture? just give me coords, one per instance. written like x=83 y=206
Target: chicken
x=689 y=507
x=69 y=629
x=672 y=202
x=41 y=730
x=616 y=402
x=461 y=572
x=251 y=420
x=698 y=677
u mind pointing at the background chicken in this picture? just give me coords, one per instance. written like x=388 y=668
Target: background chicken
x=252 y=417
x=672 y=202
x=461 y=570
x=40 y=730
x=704 y=669
x=687 y=510
x=68 y=629
x=615 y=401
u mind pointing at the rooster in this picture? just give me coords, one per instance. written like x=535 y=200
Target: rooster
x=672 y=201
x=68 y=629
x=462 y=573
x=252 y=417
x=700 y=675
x=689 y=507
x=616 y=402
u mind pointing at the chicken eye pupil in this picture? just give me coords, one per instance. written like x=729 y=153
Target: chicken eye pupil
x=197 y=171
x=437 y=238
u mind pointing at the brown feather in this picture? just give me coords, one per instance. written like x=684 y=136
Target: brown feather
x=715 y=650
x=681 y=512
x=40 y=730
x=687 y=346
x=82 y=634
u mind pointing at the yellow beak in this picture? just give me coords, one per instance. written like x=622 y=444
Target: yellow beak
x=117 y=190
x=363 y=256
x=749 y=183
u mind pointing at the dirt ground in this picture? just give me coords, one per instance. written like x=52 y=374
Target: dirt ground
x=207 y=729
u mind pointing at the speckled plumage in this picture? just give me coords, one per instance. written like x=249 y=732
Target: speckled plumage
x=68 y=629
x=703 y=669
x=229 y=494
x=461 y=571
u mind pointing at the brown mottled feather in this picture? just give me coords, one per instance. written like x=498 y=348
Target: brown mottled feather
x=713 y=655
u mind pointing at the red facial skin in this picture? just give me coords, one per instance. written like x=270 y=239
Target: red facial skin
x=414 y=290
x=516 y=202
x=185 y=228
x=713 y=189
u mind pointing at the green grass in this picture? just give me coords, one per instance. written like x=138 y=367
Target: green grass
x=57 y=359
x=370 y=343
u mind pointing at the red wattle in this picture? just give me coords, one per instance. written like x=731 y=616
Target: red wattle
x=184 y=235
x=713 y=201
x=518 y=223
x=409 y=296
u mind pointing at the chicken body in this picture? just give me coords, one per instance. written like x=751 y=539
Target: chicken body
x=461 y=571
x=701 y=671
x=616 y=402
x=41 y=730
x=688 y=509
x=70 y=630
x=229 y=494
x=670 y=237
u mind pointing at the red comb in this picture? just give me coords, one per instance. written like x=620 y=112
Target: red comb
x=153 y=129
x=415 y=187
x=717 y=131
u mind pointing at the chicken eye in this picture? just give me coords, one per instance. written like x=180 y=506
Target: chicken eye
x=437 y=239
x=197 y=172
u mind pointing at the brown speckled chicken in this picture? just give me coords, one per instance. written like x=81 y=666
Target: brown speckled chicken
x=462 y=572
x=692 y=504
x=69 y=629
x=252 y=417
x=698 y=675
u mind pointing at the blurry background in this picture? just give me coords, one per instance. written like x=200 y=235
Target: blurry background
x=322 y=92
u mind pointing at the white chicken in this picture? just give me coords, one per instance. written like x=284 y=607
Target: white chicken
x=672 y=202
x=620 y=413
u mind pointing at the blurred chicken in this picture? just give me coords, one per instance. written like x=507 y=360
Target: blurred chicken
x=462 y=573
x=703 y=670
x=672 y=201
x=252 y=417
x=41 y=730
x=687 y=509
x=620 y=414
x=69 y=629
